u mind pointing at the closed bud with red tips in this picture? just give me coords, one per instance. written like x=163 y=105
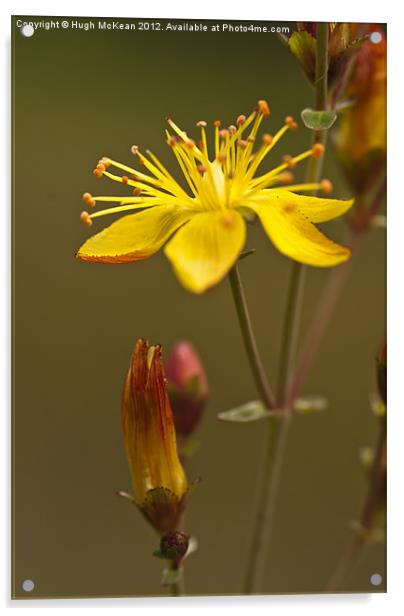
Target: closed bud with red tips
x=188 y=387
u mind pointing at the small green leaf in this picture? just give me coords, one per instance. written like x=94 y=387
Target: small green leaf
x=251 y=411
x=303 y=46
x=310 y=404
x=171 y=576
x=318 y=120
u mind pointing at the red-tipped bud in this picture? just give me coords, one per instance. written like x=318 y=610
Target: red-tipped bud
x=188 y=387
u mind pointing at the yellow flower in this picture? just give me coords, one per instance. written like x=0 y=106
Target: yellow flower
x=159 y=481
x=207 y=221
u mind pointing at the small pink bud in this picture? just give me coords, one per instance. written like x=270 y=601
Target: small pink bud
x=187 y=386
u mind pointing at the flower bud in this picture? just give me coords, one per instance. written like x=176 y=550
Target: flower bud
x=188 y=387
x=303 y=45
x=174 y=545
x=158 y=479
x=361 y=135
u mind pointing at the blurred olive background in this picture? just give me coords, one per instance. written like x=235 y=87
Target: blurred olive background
x=81 y=95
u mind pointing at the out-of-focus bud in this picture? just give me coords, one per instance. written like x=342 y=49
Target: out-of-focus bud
x=174 y=545
x=158 y=479
x=382 y=373
x=361 y=135
x=342 y=39
x=188 y=387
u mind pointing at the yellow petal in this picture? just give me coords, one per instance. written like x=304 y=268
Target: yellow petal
x=134 y=237
x=317 y=209
x=296 y=237
x=205 y=249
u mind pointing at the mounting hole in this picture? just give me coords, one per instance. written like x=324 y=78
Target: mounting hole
x=27 y=30
x=28 y=585
x=376 y=579
x=375 y=37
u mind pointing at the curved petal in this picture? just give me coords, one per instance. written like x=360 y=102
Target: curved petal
x=317 y=209
x=205 y=249
x=296 y=237
x=134 y=237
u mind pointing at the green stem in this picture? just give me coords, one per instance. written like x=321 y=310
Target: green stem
x=278 y=428
x=177 y=589
x=291 y=329
x=250 y=343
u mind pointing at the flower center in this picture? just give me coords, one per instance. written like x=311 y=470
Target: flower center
x=230 y=179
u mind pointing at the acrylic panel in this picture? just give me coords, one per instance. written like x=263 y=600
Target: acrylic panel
x=199 y=399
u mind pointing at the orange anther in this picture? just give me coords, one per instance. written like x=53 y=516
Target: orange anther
x=97 y=173
x=318 y=150
x=124 y=179
x=290 y=123
x=240 y=120
x=267 y=139
x=326 y=186
x=289 y=161
x=217 y=123
x=286 y=177
x=85 y=217
x=137 y=191
x=88 y=199
x=263 y=108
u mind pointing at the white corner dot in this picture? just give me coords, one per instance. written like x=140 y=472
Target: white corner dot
x=375 y=37
x=376 y=579
x=27 y=30
x=28 y=585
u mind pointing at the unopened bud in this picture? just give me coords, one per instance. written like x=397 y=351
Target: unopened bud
x=188 y=387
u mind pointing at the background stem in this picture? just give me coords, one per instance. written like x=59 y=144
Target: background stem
x=278 y=427
x=362 y=538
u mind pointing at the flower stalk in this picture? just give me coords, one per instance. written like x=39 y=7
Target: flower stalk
x=250 y=343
